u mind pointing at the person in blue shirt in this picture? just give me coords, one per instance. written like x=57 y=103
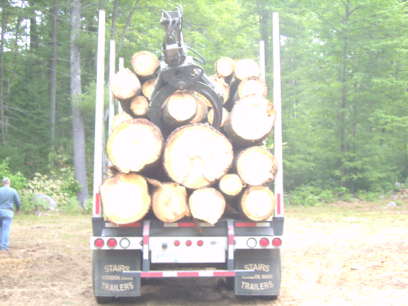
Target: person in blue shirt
x=9 y=199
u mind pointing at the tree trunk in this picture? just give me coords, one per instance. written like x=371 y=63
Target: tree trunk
x=246 y=69
x=145 y=63
x=197 y=155
x=114 y=14
x=257 y=203
x=252 y=87
x=231 y=184
x=53 y=71
x=224 y=67
x=139 y=106
x=2 y=98
x=125 y=84
x=250 y=121
x=256 y=166
x=207 y=204
x=125 y=198
x=78 y=129
x=179 y=108
x=169 y=201
x=134 y=145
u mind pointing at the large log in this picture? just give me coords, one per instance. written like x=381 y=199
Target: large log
x=145 y=63
x=139 y=106
x=197 y=155
x=247 y=68
x=256 y=166
x=250 y=121
x=207 y=204
x=179 y=108
x=125 y=84
x=252 y=87
x=125 y=198
x=134 y=144
x=224 y=66
x=231 y=184
x=169 y=201
x=257 y=203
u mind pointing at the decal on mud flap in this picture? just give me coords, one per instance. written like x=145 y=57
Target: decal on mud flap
x=109 y=280
x=265 y=279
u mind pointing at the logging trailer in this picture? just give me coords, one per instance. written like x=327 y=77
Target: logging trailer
x=245 y=253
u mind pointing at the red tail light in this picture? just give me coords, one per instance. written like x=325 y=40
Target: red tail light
x=188 y=243
x=176 y=243
x=200 y=243
x=276 y=242
x=112 y=243
x=99 y=243
x=264 y=242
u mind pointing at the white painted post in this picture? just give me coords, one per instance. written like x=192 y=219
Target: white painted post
x=112 y=70
x=262 y=63
x=99 y=124
x=277 y=100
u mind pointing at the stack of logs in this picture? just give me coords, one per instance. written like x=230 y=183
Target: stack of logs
x=188 y=168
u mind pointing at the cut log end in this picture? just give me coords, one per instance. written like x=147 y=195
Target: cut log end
x=257 y=203
x=179 y=108
x=148 y=88
x=224 y=66
x=252 y=87
x=125 y=84
x=125 y=198
x=145 y=63
x=207 y=204
x=246 y=69
x=231 y=184
x=139 y=106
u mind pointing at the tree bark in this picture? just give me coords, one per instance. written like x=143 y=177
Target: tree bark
x=125 y=84
x=197 y=155
x=257 y=203
x=134 y=145
x=78 y=129
x=53 y=71
x=169 y=201
x=125 y=198
x=207 y=204
x=250 y=121
x=256 y=166
x=2 y=98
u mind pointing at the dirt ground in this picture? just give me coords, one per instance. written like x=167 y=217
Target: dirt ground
x=342 y=254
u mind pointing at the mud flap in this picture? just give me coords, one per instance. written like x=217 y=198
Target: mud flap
x=265 y=280
x=107 y=268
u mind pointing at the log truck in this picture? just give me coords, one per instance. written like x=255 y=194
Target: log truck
x=244 y=253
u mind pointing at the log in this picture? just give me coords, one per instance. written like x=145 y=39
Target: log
x=247 y=68
x=221 y=87
x=231 y=184
x=148 y=88
x=250 y=121
x=257 y=203
x=202 y=108
x=125 y=198
x=196 y=155
x=224 y=66
x=124 y=84
x=119 y=118
x=179 y=108
x=145 y=63
x=225 y=115
x=252 y=87
x=139 y=106
x=207 y=204
x=169 y=201
x=134 y=145
x=256 y=166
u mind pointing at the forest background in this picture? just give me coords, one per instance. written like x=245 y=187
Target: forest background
x=344 y=72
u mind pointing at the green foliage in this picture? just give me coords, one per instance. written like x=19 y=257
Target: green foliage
x=309 y=195
x=18 y=181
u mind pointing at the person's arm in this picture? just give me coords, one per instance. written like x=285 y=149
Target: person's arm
x=17 y=201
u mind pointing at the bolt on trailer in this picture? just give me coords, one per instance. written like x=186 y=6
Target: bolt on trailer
x=244 y=252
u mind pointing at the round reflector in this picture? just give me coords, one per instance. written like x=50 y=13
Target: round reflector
x=276 y=242
x=99 y=243
x=112 y=243
x=176 y=243
x=251 y=242
x=124 y=243
x=200 y=243
x=264 y=242
x=188 y=243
